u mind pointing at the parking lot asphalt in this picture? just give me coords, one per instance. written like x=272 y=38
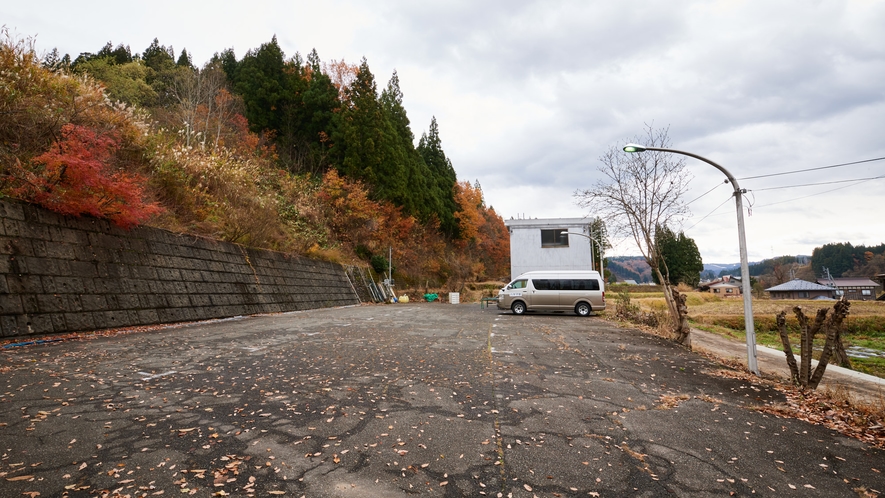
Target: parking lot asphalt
x=422 y=399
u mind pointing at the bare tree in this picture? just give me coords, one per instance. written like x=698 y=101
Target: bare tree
x=196 y=95
x=637 y=194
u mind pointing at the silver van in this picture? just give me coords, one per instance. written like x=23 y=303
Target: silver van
x=580 y=291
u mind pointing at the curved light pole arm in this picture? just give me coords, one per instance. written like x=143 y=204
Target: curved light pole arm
x=598 y=245
x=749 y=326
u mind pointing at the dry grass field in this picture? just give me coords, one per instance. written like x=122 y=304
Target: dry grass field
x=864 y=327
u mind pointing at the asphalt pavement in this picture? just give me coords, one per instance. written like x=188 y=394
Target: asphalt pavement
x=425 y=399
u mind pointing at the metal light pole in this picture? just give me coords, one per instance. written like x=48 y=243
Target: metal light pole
x=598 y=244
x=742 y=240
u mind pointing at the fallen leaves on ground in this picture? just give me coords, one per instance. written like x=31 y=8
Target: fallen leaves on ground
x=853 y=420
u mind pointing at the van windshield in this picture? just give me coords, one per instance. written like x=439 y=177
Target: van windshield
x=517 y=284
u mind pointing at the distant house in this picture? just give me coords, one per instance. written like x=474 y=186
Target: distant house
x=630 y=281
x=722 y=285
x=727 y=289
x=801 y=289
x=856 y=289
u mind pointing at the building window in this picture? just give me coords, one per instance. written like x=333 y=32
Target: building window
x=554 y=238
x=866 y=292
x=803 y=294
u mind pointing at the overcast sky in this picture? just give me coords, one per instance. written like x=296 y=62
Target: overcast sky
x=529 y=94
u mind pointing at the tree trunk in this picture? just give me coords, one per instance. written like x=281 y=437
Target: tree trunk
x=788 y=351
x=834 y=329
x=678 y=334
x=683 y=331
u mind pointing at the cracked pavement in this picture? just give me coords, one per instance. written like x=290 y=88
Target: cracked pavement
x=427 y=399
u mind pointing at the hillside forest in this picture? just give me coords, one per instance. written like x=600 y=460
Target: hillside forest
x=288 y=153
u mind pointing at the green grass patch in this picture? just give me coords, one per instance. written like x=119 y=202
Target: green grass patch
x=772 y=339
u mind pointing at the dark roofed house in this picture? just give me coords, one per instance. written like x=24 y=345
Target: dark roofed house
x=801 y=289
x=857 y=288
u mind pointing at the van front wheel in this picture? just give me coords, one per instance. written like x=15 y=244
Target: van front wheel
x=518 y=308
x=582 y=309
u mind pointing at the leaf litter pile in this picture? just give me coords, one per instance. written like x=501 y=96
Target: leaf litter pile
x=832 y=410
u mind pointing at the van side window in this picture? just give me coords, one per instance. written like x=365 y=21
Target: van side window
x=541 y=284
x=581 y=284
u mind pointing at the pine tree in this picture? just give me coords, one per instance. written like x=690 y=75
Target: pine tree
x=443 y=178
x=370 y=140
x=184 y=60
x=261 y=81
x=417 y=199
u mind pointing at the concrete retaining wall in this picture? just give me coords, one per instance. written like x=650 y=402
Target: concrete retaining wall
x=64 y=274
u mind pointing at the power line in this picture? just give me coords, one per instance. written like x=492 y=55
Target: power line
x=708 y=214
x=707 y=192
x=813 y=169
x=820 y=183
x=811 y=195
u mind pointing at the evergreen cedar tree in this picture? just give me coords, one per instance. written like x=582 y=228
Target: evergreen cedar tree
x=263 y=111
x=681 y=261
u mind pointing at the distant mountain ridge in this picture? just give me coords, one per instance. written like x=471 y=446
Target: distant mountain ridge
x=630 y=268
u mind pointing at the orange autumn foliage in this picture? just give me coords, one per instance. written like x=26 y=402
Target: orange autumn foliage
x=76 y=176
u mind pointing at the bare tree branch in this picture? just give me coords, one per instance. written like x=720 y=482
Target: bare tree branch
x=637 y=194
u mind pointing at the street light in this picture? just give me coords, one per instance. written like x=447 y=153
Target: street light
x=598 y=244
x=742 y=239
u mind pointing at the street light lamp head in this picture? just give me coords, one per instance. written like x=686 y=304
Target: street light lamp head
x=634 y=148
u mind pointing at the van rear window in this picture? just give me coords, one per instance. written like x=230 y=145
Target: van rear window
x=565 y=283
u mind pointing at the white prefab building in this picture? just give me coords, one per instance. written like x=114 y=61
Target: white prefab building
x=540 y=244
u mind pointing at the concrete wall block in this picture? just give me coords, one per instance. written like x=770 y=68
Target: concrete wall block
x=63 y=235
x=192 y=275
x=143 y=272
x=123 y=301
x=52 y=303
x=16 y=246
x=112 y=270
x=10 y=304
x=34 y=231
x=168 y=274
x=136 y=286
x=111 y=319
x=151 y=301
x=93 y=302
x=147 y=317
x=160 y=248
x=9 y=325
x=24 y=284
x=83 y=269
x=200 y=300
x=103 y=239
x=79 y=321
x=11 y=210
x=66 y=285
x=108 y=285
x=178 y=300
x=40 y=266
x=170 y=315
x=35 y=324
x=60 y=250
